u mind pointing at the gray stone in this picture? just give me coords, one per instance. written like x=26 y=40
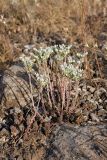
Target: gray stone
x=102 y=112
x=16 y=91
x=94 y=117
x=91 y=89
x=68 y=142
x=100 y=107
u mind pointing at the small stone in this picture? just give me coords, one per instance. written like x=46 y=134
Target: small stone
x=100 y=101
x=100 y=107
x=85 y=118
x=21 y=127
x=105 y=101
x=90 y=97
x=4 y=132
x=84 y=89
x=102 y=90
x=3 y=139
x=20 y=141
x=94 y=117
x=72 y=117
x=102 y=112
x=105 y=107
x=29 y=46
x=91 y=89
x=11 y=111
x=91 y=122
x=99 y=92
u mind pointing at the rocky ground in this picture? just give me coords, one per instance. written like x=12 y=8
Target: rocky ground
x=91 y=113
x=72 y=142
x=82 y=133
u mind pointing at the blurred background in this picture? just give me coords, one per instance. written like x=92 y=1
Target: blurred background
x=50 y=22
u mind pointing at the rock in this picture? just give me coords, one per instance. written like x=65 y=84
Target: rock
x=91 y=89
x=105 y=107
x=4 y=132
x=94 y=117
x=100 y=100
x=16 y=91
x=21 y=127
x=102 y=36
x=98 y=93
x=85 y=118
x=3 y=140
x=102 y=90
x=69 y=142
x=100 y=107
x=90 y=97
x=102 y=112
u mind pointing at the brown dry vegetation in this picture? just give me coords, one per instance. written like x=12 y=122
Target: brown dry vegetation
x=31 y=21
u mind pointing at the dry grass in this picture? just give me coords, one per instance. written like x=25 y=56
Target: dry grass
x=75 y=20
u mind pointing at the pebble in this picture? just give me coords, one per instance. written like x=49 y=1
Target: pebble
x=105 y=107
x=91 y=89
x=94 y=117
x=100 y=107
x=102 y=90
x=4 y=132
x=86 y=118
x=90 y=97
x=21 y=127
x=102 y=112
x=3 y=139
x=100 y=101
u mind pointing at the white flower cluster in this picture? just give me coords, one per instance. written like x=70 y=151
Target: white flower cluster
x=28 y=62
x=43 y=54
x=72 y=68
x=42 y=79
x=60 y=52
x=77 y=59
x=69 y=70
x=70 y=65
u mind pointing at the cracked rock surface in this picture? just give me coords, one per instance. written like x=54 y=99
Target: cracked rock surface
x=69 y=142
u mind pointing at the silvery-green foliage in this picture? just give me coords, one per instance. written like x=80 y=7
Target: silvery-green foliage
x=43 y=54
x=71 y=71
x=70 y=65
x=28 y=62
x=61 y=51
x=42 y=79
